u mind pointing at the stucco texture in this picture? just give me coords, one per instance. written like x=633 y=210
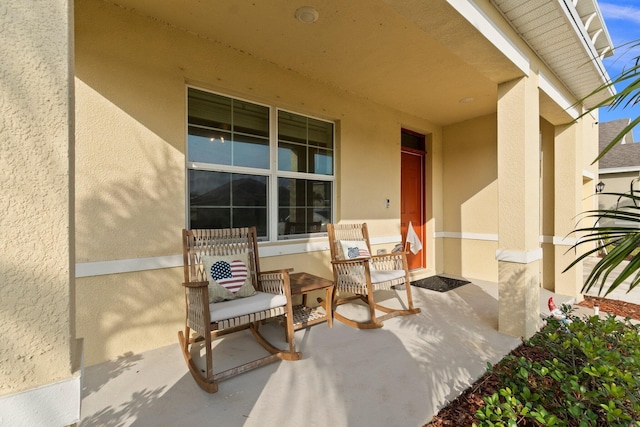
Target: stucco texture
x=35 y=205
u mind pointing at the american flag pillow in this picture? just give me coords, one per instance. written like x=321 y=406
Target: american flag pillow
x=352 y=249
x=229 y=277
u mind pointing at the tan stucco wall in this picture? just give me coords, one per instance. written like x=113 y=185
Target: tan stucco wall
x=616 y=183
x=131 y=78
x=36 y=208
x=471 y=197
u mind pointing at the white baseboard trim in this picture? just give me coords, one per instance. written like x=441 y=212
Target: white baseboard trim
x=56 y=404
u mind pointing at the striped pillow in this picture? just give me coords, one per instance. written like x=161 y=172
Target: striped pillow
x=229 y=277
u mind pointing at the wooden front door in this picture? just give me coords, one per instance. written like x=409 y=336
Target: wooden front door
x=412 y=202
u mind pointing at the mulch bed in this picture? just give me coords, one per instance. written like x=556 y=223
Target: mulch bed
x=619 y=308
x=461 y=411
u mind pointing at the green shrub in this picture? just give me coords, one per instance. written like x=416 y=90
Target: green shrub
x=586 y=373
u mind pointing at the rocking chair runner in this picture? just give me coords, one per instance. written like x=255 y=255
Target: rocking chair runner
x=214 y=319
x=358 y=272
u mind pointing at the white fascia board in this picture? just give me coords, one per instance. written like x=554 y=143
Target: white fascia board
x=573 y=18
x=619 y=170
x=476 y=17
x=588 y=174
x=550 y=89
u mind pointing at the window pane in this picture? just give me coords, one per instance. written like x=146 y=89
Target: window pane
x=292 y=127
x=251 y=217
x=304 y=206
x=250 y=118
x=227 y=131
x=250 y=151
x=209 y=146
x=210 y=218
x=319 y=194
x=208 y=109
x=249 y=190
x=292 y=157
x=320 y=133
x=320 y=161
x=207 y=189
x=224 y=200
x=304 y=144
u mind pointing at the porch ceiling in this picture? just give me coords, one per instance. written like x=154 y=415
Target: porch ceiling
x=417 y=57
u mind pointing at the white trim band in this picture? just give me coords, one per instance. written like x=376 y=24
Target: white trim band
x=100 y=268
x=520 y=257
x=464 y=235
x=588 y=174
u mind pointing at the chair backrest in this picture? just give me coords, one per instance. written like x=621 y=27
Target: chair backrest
x=218 y=242
x=346 y=232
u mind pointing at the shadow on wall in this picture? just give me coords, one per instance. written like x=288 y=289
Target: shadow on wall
x=130 y=181
x=125 y=312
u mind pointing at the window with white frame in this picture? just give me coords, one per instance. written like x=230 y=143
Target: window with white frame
x=253 y=165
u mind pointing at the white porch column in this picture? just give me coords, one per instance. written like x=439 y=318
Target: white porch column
x=568 y=204
x=39 y=361
x=519 y=251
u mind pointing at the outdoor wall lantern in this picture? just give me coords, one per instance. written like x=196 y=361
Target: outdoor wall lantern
x=599 y=187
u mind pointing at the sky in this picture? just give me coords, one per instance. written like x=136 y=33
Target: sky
x=622 y=18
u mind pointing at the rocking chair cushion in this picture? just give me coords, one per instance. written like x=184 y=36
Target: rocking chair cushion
x=352 y=249
x=239 y=307
x=228 y=276
x=379 y=276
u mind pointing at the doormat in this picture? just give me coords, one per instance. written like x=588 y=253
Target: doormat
x=439 y=283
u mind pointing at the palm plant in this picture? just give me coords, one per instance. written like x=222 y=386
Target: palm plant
x=628 y=96
x=616 y=233
x=622 y=240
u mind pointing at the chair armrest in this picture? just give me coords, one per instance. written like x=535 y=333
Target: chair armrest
x=392 y=261
x=282 y=270
x=195 y=284
x=275 y=282
x=390 y=256
x=355 y=261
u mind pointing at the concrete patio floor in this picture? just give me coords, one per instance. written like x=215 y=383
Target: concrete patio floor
x=400 y=375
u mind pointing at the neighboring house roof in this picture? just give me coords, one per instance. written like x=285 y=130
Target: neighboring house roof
x=624 y=155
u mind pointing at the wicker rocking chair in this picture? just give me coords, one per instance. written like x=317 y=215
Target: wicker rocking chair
x=357 y=272
x=233 y=255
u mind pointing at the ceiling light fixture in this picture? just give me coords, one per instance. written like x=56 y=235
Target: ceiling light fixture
x=307 y=15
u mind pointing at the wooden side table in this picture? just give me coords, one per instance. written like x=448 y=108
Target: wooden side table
x=302 y=284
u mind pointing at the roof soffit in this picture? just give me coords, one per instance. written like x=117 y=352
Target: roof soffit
x=570 y=38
